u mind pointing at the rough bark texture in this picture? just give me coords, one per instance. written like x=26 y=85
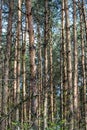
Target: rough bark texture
x=84 y=105
x=69 y=69
x=6 y=71
x=0 y=58
x=85 y=21
x=64 y=72
x=45 y=65
x=18 y=61
x=75 y=82
x=61 y=86
x=40 y=100
x=16 y=88
x=33 y=87
x=51 y=77
x=24 y=114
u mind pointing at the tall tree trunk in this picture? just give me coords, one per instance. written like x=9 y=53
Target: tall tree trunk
x=84 y=105
x=40 y=100
x=33 y=87
x=18 y=61
x=75 y=82
x=16 y=92
x=69 y=69
x=24 y=74
x=23 y=95
x=85 y=21
x=51 y=77
x=61 y=85
x=15 y=81
x=39 y=72
x=0 y=58
x=45 y=66
x=64 y=67
x=6 y=71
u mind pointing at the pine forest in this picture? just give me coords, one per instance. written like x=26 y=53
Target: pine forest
x=43 y=64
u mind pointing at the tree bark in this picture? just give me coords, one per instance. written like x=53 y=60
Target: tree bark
x=75 y=82
x=69 y=70
x=84 y=105
x=33 y=87
x=46 y=66
x=64 y=71
x=24 y=74
x=0 y=58
x=40 y=100
x=85 y=21
x=6 y=71
x=18 y=60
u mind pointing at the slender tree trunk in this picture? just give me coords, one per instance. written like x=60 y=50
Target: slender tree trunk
x=51 y=77
x=64 y=67
x=39 y=73
x=75 y=82
x=18 y=61
x=45 y=66
x=23 y=95
x=6 y=71
x=15 y=81
x=16 y=92
x=0 y=58
x=84 y=105
x=85 y=21
x=69 y=69
x=61 y=85
x=40 y=101
x=28 y=103
x=24 y=75
x=33 y=87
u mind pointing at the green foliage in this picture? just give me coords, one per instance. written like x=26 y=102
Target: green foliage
x=56 y=125
x=8 y=129
x=53 y=126
x=24 y=126
x=16 y=123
